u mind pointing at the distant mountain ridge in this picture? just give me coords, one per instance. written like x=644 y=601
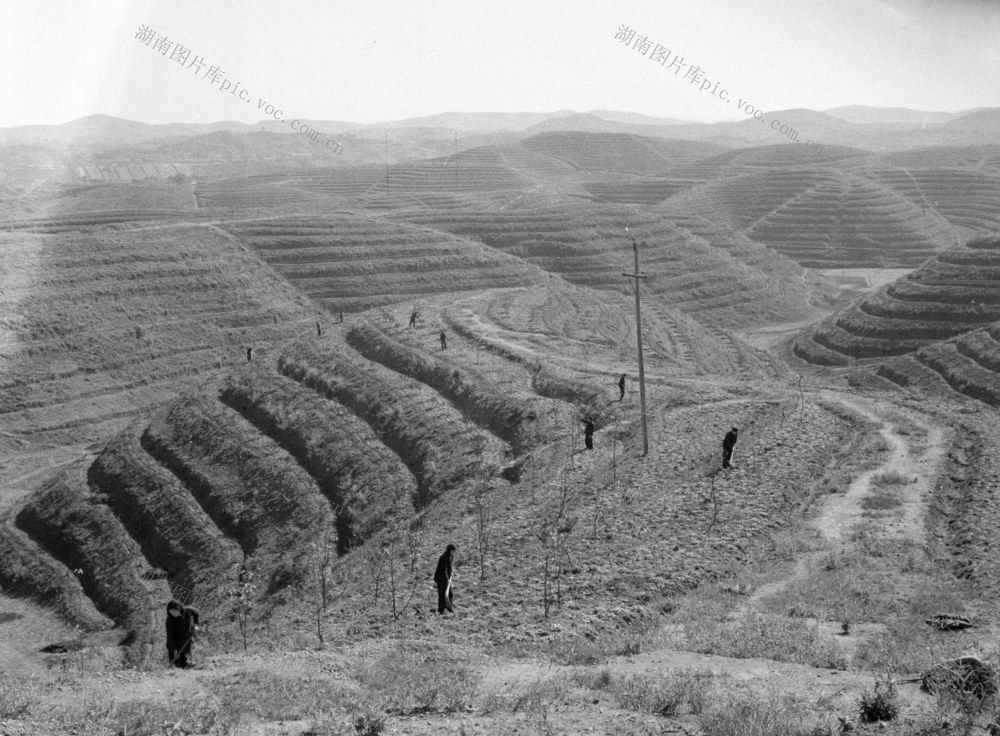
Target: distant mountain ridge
x=863 y=114
x=235 y=148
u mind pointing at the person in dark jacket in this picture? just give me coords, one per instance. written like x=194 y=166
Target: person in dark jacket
x=319 y=329
x=442 y=578
x=728 y=443
x=621 y=388
x=444 y=340
x=588 y=433
x=182 y=623
x=249 y=354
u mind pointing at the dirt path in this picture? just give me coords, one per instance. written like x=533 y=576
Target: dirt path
x=841 y=512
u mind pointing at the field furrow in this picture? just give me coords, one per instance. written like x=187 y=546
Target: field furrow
x=367 y=484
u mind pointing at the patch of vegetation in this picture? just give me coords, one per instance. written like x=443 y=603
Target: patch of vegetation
x=767 y=637
x=409 y=682
x=535 y=697
x=204 y=714
x=753 y=716
x=843 y=587
x=664 y=696
x=881 y=501
x=890 y=478
x=266 y=695
x=599 y=680
x=580 y=651
x=879 y=703
x=16 y=698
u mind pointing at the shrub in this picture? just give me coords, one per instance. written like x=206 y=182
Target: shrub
x=879 y=704
x=369 y=724
x=889 y=478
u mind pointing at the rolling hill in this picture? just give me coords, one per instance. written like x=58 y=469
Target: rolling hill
x=940 y=320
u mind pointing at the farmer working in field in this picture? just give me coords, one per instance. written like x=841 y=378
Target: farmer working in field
x=442 y=578
x=182 y=623
x=727 y=446
x=588 y=432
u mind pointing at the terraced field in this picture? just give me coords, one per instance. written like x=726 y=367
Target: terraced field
x=941 y=319
x=349 y=262
x=336 y=463
x=324 y=446
x=251 y=192
x=719 y=278
x=969 y=200
x=619 y=152
x=822 y=218
x=337 y=440
x=968 y=364
x=638 y=191
x=99 y=325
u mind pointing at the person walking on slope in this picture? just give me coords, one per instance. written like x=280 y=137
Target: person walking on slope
x=182 y=623
x=588 y=432
x=444 y=341
x=621 y=388
x=727 y=446
x=442 y=578
x=413 y=318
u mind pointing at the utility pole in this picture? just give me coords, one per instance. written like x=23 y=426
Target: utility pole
x=638 y=334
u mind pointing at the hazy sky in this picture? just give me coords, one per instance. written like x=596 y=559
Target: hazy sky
x=372 y=60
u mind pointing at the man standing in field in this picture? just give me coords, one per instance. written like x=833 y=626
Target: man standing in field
x=413 y=318
x=442 y=578
x=727 y=446
x=588 y=432
x=621 y=388
x=444 y=341
x=182 y=623
x=319 y=330
x=249 y=354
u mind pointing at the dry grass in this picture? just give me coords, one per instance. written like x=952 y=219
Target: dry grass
x=741 y=715
x=666 y=695
x=768 y=637
x=17 y=697
x=890 y=478
x=412 y=682
x=840 y=587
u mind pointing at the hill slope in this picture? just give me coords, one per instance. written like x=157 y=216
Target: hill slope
x=941 y=320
